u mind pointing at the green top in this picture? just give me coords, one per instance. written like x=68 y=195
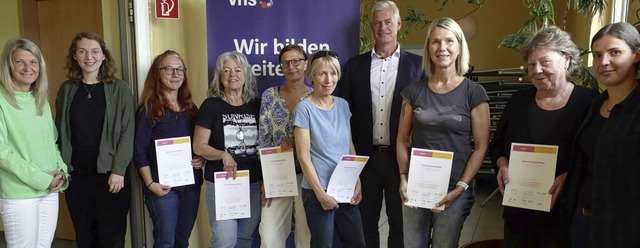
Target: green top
x=116 y=142
x=28 y=148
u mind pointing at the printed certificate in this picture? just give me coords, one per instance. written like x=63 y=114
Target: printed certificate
x=232 y=195
x=532 y=170
x=429 y=172
x=344 y=178
x=278 y=172
x=174 y=161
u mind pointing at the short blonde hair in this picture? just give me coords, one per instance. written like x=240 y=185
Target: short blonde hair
x=462 y=62
x=320 y=58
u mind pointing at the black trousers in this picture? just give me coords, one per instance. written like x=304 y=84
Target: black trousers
x=380 y=180
x=99 y=217
x=524 y=228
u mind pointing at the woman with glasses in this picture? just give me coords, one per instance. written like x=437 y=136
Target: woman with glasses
x=447 y=112
x=95 y=119
x=276 y=129
x=166 y=111
x=322 y=135
x=31 y=169
x=226 y=135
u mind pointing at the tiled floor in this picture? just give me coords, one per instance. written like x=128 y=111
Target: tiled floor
x=483 y=223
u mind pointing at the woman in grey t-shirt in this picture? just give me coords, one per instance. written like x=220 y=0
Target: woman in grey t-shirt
x=443 y=113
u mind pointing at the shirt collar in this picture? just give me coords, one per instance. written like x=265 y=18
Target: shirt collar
x=396 y=53
x=632 y=98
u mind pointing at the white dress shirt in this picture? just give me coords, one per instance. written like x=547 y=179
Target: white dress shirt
x=383 y=81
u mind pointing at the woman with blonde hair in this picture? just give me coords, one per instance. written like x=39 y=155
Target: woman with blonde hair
x=31 y=169
x=448 y=112
x=322 y=135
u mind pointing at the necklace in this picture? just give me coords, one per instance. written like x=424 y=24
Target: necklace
x=89 y=91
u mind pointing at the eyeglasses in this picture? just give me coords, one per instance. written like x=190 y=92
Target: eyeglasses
x=323 y=53
x=170 y=70
x=289 y=63
x=82 y=53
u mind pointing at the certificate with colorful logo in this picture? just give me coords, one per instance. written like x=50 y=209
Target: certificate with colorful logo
x=232 y=195
x=532 y=170
x=174 y=161
x=278 y=172
x=342 y=183
x=428 y=178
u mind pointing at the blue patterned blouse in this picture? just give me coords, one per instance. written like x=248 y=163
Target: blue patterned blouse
x=276 y=122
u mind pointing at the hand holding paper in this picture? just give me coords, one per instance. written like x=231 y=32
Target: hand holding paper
x=278 y=172
x=197 y=162
x=556 y=188
x=159 y=189
x=174 y=161
x=345 y=178
x=446 y=201
x=503 y=178
x=232 y=196
x=429 y=172
x=357 y=194
x=229 y=165
x=531 y=173
x=328 y=202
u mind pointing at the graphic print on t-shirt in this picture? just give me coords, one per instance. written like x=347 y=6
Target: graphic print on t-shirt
x=240 y=134
x=436 y=114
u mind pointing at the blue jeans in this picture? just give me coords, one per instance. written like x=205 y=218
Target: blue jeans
x=345 y=221
x=233 y=233
x=173 y=216
x=446 y=226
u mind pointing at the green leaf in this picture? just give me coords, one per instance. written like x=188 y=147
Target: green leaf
x=590 y=7
x=587 y=78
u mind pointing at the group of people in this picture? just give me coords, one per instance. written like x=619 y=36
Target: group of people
x=596 y=136
x=381 y=105
x=91 y=141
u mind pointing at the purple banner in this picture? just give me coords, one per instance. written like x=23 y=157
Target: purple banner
x=259 y=29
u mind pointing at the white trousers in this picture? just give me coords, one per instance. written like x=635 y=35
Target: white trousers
x=275 y=222
x=29 y=223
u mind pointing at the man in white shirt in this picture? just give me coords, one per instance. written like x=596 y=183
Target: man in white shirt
x=372 y=83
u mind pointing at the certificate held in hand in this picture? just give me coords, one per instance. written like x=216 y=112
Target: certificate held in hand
x=174 y=161
x=429 y=172
x=278 y=172
x=342 y=183
x=532 y=170
x=232 y=196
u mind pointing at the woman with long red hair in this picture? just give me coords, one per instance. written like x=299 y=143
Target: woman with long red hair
x=166 y=111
